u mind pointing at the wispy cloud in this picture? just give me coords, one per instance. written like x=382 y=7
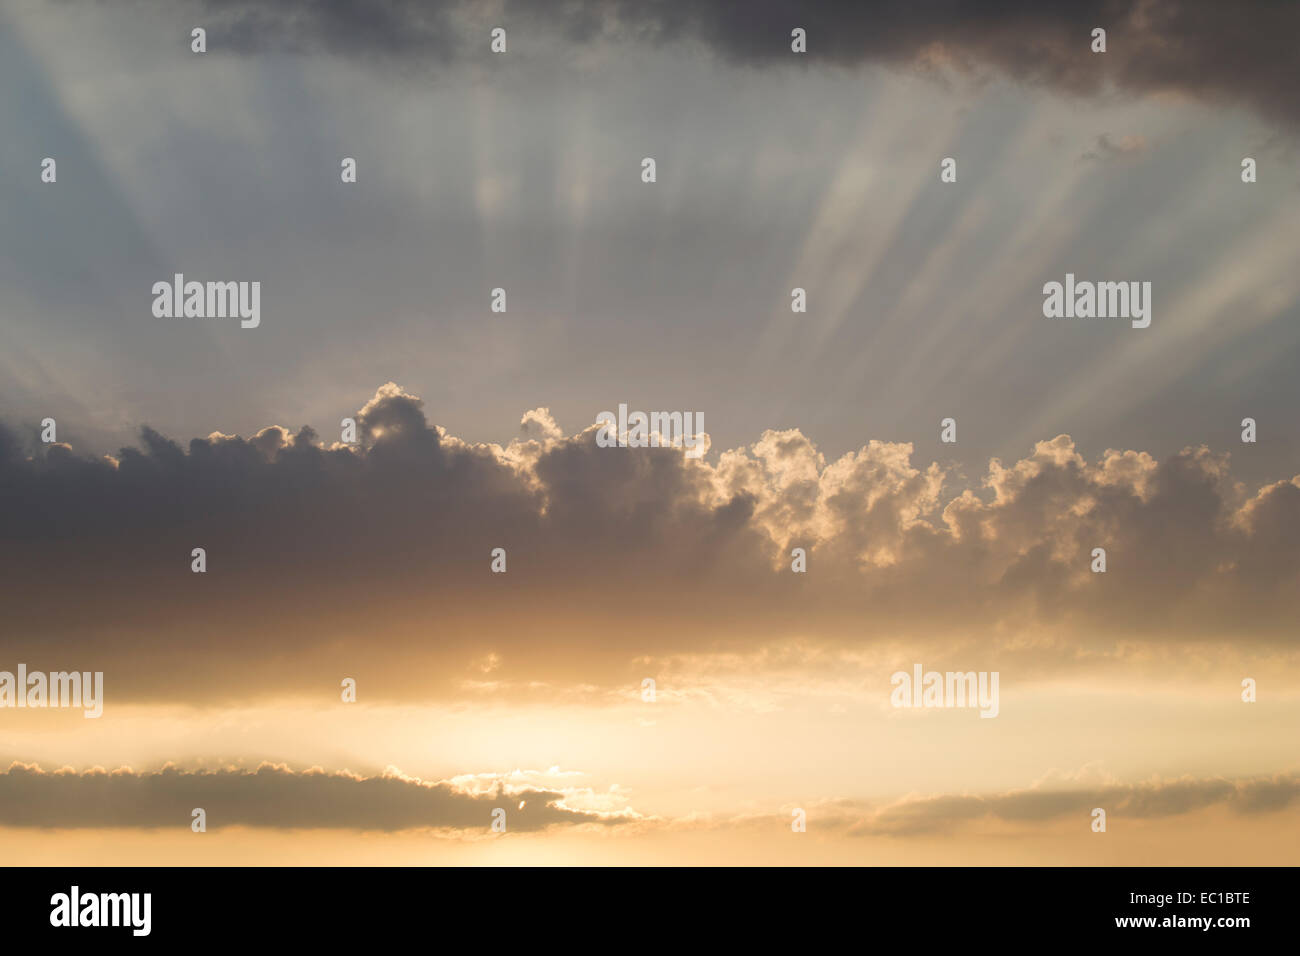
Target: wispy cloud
x=933 y=814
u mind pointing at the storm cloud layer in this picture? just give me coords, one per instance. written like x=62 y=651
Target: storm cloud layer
x=326 y=560
x=1241 y=51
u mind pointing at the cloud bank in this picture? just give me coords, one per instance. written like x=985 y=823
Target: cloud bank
x=374 y=560
x=273 y=796
x=939 y=814
x=1199 y=48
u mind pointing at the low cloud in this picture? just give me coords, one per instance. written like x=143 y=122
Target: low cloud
x=275 y=796
x=940 y=814
x=373 y=561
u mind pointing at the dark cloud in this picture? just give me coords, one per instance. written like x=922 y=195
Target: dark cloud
x=270 y=796
x=923 y=815
x=373 y=562
x=1203 y=48
x=401 y=28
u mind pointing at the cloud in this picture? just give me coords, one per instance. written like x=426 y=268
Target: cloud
x=539 y=424
x=939 y=814
x=373 y=561
x=1110 y=148
x=1198 y=48
x=275 y=796
x=400 y=28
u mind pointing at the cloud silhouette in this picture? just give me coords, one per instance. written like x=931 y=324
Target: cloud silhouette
x=274 y=796
x=1198 y=48
x=936 y=814
x=373 y=561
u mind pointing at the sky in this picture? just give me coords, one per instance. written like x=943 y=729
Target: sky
x=770 y=732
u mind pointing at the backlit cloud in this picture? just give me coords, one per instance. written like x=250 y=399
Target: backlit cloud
x=373 y=560
x=275 y=796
